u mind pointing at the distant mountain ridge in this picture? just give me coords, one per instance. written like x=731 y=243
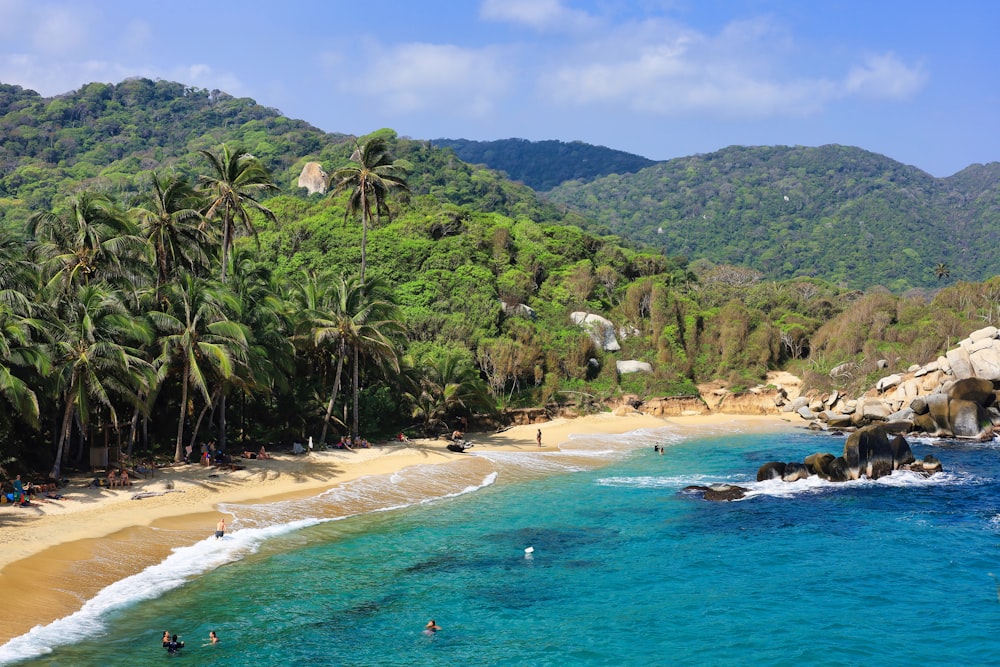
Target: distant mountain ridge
x=844 y=214
x=542 y=165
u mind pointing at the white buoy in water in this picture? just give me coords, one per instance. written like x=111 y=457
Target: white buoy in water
x=528 y=552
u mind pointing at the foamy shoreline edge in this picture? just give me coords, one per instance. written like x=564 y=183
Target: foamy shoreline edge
x=43 y=547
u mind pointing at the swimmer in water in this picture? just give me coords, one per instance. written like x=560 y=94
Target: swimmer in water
x=166 y=638
x=431 y=627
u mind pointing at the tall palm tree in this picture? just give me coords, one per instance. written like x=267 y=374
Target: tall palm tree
x=942 y=271
x=198 y=339
x=268 y=364
x=233 y=187
x=170 y=219
x=369 y=183
x=236 y=181
x=94 y=359
x=353 y=321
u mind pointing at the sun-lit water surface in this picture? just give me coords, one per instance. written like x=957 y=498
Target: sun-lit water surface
x=625 y=568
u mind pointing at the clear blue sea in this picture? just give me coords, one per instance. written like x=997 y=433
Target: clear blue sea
x=625 y=569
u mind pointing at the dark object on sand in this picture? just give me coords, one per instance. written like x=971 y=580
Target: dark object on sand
x=459 y=446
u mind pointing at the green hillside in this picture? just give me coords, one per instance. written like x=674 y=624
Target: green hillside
x=125 y=258
x=843 y=214
x=542 y=165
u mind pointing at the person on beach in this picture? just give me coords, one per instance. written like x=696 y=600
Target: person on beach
x=262 y=454
x=19 y=496
x=538 y=437
x=431 y=628
x=112 y=478
x=220 y=529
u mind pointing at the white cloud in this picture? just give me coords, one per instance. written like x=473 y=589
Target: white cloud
x=885 y=77
x=59 y=30
x=538 y=14
x=138 y=34
x=746 y=70
x=418 y=77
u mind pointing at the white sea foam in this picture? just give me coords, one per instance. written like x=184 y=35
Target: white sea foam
x=262 y=522
x=781 y=489
x=183 y=564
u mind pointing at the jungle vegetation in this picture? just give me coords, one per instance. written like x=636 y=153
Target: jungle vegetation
x=188 y=290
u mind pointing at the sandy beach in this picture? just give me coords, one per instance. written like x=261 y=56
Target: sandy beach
x=58 y=553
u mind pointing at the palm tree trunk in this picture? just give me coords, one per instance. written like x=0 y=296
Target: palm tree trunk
x=201 y=417
x=67 y=423
x=222 y=423
x=179 y=444
x=333 y=399
x=354 y=427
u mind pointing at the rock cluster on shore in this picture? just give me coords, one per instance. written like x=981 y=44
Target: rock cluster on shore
x=954 y=396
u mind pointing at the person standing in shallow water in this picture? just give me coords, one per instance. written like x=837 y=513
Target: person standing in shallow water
x=220 y=529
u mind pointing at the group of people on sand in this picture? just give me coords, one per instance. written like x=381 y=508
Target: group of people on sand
x=118 y=478
x=259 y=454
x=351 y=443
x=173 y=644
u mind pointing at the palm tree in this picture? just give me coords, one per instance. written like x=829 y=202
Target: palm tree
x=170 y=219
x=448 y=385
x=942 y=271
x=236 y=181
x=94 y=240
x=93 y=360
x=351 y=321
x=369 y=183
x=268 y=364
x=198 y=339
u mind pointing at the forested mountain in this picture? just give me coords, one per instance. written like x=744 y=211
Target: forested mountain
x=542 y=165
x=844 y=214
x=158 y=281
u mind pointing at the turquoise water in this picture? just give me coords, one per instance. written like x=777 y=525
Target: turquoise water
x=625 y=569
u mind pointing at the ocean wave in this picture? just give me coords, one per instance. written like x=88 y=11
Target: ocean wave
x=252 y=525
x=780 y=489
x=183 y=564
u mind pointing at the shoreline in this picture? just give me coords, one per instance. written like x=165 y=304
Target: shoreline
x=59 y=553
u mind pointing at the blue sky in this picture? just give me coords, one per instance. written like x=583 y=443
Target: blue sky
x=918 y=81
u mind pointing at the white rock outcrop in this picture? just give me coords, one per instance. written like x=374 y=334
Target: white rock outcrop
x=601 y=330
x=313 y=178
x=633 y=366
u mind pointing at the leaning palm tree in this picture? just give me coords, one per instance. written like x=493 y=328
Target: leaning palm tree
x=197 y=340
x=369 y=183
x=95 y=358
x=233 y=188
